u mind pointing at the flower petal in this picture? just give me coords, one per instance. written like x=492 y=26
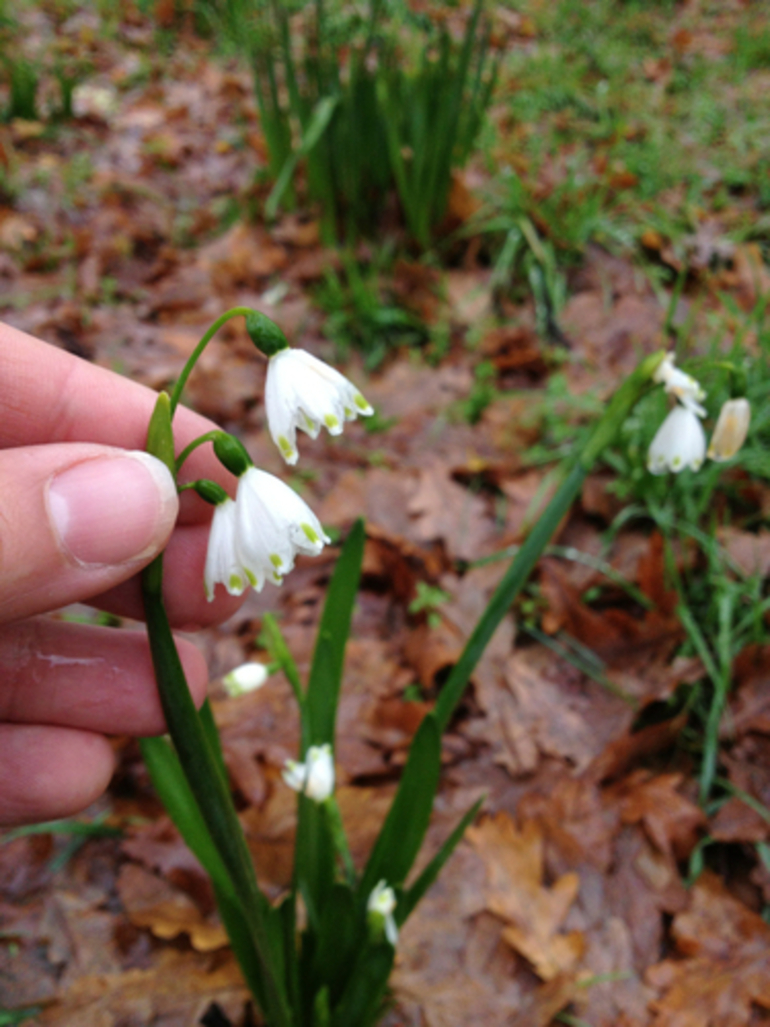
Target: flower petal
x=222 y=564
x=303 y=392
x=679 y=442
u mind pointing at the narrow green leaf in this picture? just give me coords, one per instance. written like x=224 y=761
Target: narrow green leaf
x=412 y=895
x=171 y=785
x=318 y=124
x=326 y=672
x=313 y=857
x=279 y=651
x=337 y=943
x=407 y=821
x=212 y=734
x=514 y=579
x=168 y=777
x=361 y=1002
x=529 y=553
x=241 y=942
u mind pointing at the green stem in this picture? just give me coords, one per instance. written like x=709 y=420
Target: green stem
x=209 y=786
x=340 y=839
x=524 y=562
x=178 y=389
x=200 y=441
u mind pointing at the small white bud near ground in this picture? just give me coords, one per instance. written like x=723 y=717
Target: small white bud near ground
x=381 y=905
x=315 y=777
x=246 y=678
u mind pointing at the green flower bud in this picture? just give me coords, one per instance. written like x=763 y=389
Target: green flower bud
x=231 y=453
x=265 y=334
x=210 y=491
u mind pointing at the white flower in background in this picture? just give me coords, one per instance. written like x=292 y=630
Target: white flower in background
x=381 y=905
x=256 y=537
x=679 y=442
x=303 y=392
x=246 y=678
x=731 y=429
x=314 y=777
x=681 y=385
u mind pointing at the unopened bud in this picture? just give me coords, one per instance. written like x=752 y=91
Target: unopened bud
x=731 y=430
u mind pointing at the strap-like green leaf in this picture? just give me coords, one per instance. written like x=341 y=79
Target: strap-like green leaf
x=171 y=785
x=337 y=944
x=313 y=857
x=407 y=821
x=319 y=121
x=361 y=1002
x=412 y=895
x=326 y=673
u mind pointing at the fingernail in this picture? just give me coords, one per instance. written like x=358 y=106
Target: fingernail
x=112 y=509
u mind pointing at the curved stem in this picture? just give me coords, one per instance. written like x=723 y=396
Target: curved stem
x=201 y=440
x=176 y=393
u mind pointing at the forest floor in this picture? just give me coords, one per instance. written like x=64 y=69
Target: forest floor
x=598 y=887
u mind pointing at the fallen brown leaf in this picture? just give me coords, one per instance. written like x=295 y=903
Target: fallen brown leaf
x=516 y=893
x=723 y=972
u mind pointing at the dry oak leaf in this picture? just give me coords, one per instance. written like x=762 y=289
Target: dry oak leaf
x=726 y=969
x=516 y=893
x=152 y=903
x=671 y=821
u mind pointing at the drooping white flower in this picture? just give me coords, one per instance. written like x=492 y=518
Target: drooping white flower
x=246 y=678
x=302 y=391
x=680 y=384
x=273 y=524
x=731 y=429
x=679 y=442
x=381 y=905
x=256 y=537
x=222 y=563
x=314 y=777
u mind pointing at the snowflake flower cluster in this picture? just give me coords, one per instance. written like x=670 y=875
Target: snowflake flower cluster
x=256 y=536
x=681 y=441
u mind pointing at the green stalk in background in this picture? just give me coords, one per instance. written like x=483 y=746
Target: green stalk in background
x=523 y=563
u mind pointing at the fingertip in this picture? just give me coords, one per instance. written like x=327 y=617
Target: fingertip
x=47 y=773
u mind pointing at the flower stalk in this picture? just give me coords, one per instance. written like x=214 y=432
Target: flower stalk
x=621 y=404
x=209 y=786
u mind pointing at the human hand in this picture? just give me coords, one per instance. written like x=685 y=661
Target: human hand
x=82 y=511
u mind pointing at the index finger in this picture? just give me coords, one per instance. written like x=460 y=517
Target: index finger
x=48 y=395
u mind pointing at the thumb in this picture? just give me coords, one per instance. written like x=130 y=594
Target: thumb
x=75 y=520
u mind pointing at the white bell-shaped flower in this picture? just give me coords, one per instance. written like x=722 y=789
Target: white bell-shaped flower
x=381 y=905
x=315 y=777
x=678 y=383
x=303 y=392
x=273 y=524
x=679 y=442
x=256 y=537
x=222 y=564
x=248 y=677
x=731 y=429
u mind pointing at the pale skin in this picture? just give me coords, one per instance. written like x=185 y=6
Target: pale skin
x=78 y=521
